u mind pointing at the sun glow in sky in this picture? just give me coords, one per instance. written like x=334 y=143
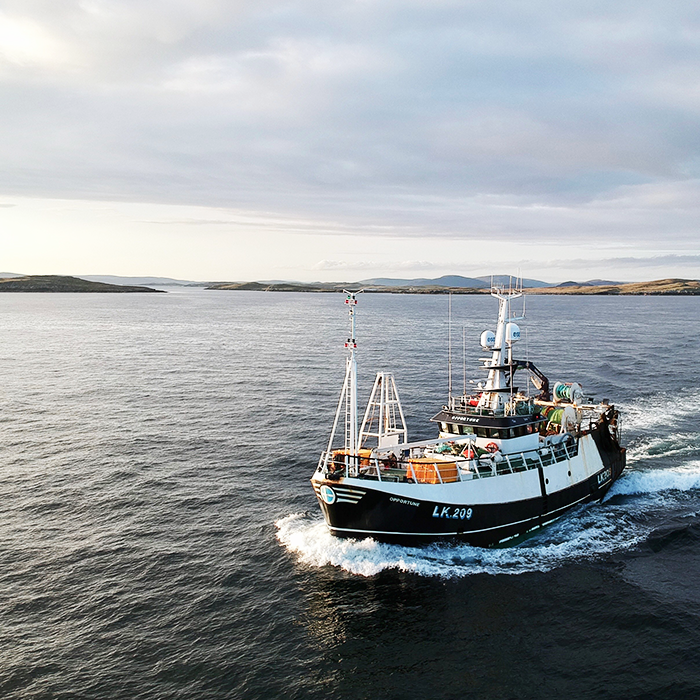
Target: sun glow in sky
x=222 y=140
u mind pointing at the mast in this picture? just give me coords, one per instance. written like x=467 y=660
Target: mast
x=502 y=350
x=449 y=350
x=348 y=394
x=351 y=395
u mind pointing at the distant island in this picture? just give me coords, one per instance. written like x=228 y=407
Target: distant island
x=594 y=287
x=655 y=288
x=62 y=283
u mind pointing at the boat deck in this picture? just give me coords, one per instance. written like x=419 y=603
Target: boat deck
x=436 y=469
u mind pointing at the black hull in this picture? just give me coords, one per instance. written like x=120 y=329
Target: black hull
x=388 y=518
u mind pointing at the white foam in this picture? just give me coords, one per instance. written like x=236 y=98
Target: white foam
x=645 y=481
x=583 y=534
x=660 y=447
x=660 y=409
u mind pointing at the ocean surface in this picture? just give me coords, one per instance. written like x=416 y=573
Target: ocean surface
x=159 y=537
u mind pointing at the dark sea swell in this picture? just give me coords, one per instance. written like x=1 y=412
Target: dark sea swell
x=160 y=538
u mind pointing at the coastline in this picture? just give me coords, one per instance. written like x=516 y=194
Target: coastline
x=665 y=287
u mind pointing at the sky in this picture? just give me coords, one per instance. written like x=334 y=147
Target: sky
x=309 y=140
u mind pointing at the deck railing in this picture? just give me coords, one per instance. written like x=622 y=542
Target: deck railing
x=404 y=470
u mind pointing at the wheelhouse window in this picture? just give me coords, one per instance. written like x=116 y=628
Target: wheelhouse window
x=497 y=433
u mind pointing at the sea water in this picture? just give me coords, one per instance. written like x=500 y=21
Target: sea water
x=160 y=537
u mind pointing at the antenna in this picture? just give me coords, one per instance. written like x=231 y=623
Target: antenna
x=527 y=357
x=464 y=357
x=449 y=349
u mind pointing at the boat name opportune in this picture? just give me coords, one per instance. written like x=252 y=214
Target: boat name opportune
x=504 y=463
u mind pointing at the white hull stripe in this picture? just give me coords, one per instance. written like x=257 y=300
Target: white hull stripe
x=344 y=494
x=345 y=490
x=464 y=532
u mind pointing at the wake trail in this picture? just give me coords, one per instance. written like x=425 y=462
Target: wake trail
x=654 y=481
x=659 y=410
x=591 y=536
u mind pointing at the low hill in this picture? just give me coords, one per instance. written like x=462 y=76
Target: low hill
x=507 y=280
x=589 y=283
x=141 y=281
x=63 y=283
x=452 y=281
x=279 y=287
x=657 y=287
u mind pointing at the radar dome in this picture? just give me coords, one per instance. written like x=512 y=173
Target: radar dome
x=512 y=332
x=488 y=339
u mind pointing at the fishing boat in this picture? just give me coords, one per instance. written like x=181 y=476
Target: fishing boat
x=505 y=462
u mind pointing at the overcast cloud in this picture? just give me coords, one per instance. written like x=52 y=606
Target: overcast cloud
x=450 y=124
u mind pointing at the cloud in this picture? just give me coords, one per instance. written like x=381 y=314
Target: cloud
x=541 y=122
x=631 y=263
x=656 y=261
x=366 y=265
x=25 y=43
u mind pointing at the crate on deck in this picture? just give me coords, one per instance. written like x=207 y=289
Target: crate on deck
x=426 y=471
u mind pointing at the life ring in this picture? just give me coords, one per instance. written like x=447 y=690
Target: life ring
x=492 y=447
x=469 y=453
